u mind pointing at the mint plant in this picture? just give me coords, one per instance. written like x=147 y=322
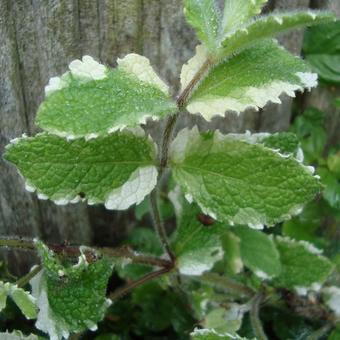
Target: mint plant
x=225 y=188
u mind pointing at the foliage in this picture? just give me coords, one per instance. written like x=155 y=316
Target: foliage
x=322 y=50
x=220 y=265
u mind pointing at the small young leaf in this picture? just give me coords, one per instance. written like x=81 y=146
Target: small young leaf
x=258 y=252
x=70 y=298
x=204 y=16
x=197 y=246
x=117 y=169
x=247 y=80
x=302 y=264
x=239 y=182
x=93 y=100
x=269 y=26
x=239 y=12
x=322 y=50
x=24 y=301
x=232 y=261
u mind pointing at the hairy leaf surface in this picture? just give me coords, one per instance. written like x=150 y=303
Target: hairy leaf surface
x=302 y=264
x=239 y=182
x=81 y=104
x=239 y=12
x=118 y=169
x=204 y=16
x=248 y=80
x=71 y=298
x=269 y=26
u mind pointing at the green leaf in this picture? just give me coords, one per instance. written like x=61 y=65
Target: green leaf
x=247 y=80
x=204 y=17
x=197 y=246
x=269 y=26
x=335 y=335
x=232 y=262
x=310 y=129
x=239 y=12
x=302 y=264
x=225 y=320
x=93 y=100
x=286 y=142
x=24 y=300
x=331 y=192
x=71 y=298
x=333 y=163
x=211 y=334
x=118 y=169
x=322 y=50
x=239 y=182
x=3 y=296
x=258 y=252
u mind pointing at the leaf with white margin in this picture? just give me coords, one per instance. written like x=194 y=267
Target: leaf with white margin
x=71 y=298
x=23 y=299
x=258 y=252
x=204 y=17
x=238 y=12
x=197 y=247
x=269 y=26
x=17 y=335
x=285 y=143
x=238 y=182
x=117 y=169
x=211 y=334
x=302 y=264
x=248 y=80
x=92 y=100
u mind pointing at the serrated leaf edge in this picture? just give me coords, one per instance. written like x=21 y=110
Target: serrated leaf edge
x=257 y=97
x=187 y=137
x=140 y=183
x=140 y=67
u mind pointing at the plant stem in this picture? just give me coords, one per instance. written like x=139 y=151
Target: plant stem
x=120 y=292
x=255 y=318
x=26 y=279
x=167 y=137
x=185 y=95
x=159 y=224
x=73 y=251
x=17 y=243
